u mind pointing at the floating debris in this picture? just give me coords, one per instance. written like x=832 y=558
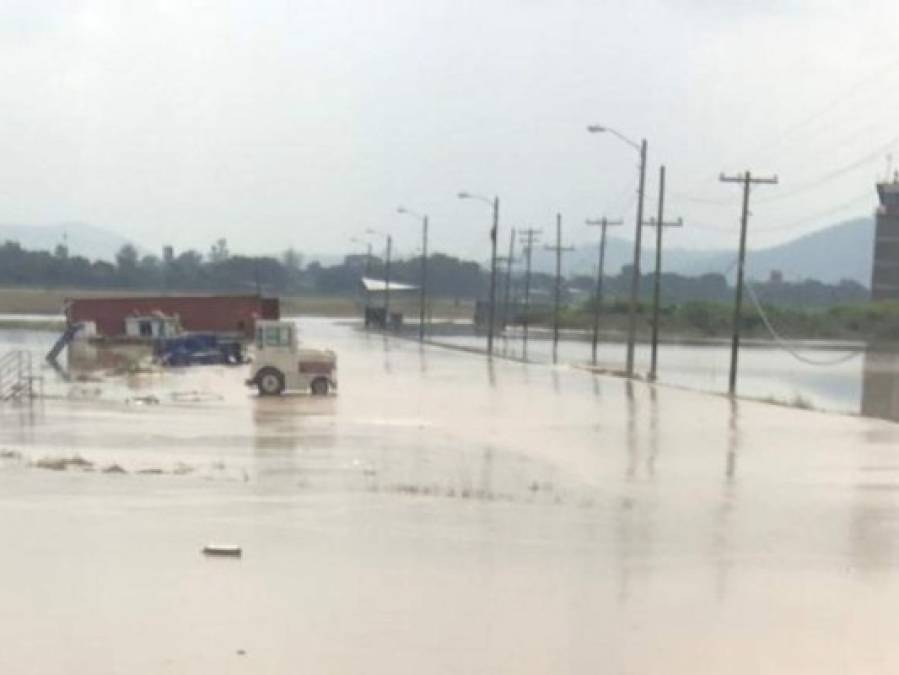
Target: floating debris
x=223 y=550
x=64 y=463
x=195 y=396
x=143 y=400
x=10 y=454
x=153 y=471
x=182 y=469
x=113 y=468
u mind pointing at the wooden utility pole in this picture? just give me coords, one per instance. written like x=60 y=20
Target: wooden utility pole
x=423 y=291
x=635 y=272
x=387 y=284
x=508 y=289
x=559 y=249
x=527 y=240
x=494 y=231
x=747 y=180
x=660 y=225
x=597 y=298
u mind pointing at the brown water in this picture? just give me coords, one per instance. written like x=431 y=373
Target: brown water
x=441 y=515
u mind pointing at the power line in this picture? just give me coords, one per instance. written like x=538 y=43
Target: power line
x=785 y=346
x=866 y=195
x=830 y=175
x=747 y=180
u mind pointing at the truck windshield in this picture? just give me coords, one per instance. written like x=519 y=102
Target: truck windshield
x=273 y=336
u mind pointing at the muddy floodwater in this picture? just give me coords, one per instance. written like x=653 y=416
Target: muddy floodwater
x=441 y=514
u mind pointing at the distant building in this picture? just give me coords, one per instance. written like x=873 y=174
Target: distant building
x=885 y=270
x=168 y=254
x=777 y=277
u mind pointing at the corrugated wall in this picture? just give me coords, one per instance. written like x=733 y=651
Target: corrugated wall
x=220 y=314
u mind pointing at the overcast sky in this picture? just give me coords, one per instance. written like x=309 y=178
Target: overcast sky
x=280 y=123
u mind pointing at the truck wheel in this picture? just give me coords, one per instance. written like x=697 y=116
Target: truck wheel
x=319 y=387
x=270 y=382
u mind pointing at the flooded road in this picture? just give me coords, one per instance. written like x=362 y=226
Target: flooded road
x=443 y=515
x=831 y=377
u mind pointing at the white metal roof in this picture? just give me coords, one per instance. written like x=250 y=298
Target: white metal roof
x=379 y=285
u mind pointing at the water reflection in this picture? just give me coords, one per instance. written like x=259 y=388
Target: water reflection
x=722 y=534
x=631 y=442
x=653 y=432
x=634 y=520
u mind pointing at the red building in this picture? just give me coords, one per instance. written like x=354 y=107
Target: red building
x=234 y=314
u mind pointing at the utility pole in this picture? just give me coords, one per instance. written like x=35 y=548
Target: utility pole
x=635 y=274
x=559 y=249
x=508 y=289
x=387 y=284
x=494 y=204
x=368 y=260
x=423 y=281
x=659 y=224
x=492 y=314
x=527 y=240
x=423 y=296
x=747 y=180
x=597 y=298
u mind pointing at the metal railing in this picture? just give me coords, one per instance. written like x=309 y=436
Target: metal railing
x=17 y=381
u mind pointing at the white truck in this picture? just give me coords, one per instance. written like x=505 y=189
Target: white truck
x=280 y=364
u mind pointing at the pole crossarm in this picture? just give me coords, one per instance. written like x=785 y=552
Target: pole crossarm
x=747 y=177
x=652 y=222
x=603 y=221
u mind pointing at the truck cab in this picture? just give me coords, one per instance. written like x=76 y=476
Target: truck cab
x=280 y=364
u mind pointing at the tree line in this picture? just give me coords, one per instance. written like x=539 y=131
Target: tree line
x=221 y=271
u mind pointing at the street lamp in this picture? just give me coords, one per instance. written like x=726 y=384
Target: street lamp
x=635 y=273
x=423 y=286
x=386 y=275
x=494 y=203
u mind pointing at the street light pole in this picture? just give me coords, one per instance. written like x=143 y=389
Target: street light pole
x=635 y=272
x=494 y=230
x=423 y=285
x=635 y=275
x=389 y=239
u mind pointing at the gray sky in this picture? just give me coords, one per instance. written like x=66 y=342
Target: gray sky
x=277 y=123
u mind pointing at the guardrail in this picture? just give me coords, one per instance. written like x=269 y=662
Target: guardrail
x=17 y=381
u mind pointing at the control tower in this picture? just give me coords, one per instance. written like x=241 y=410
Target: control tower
x=885 y=270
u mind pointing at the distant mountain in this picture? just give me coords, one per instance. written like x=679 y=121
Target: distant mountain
x=83 y=239
x=842 y=251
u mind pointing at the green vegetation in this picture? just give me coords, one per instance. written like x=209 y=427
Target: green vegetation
x=694 y=307
x=873 y=321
